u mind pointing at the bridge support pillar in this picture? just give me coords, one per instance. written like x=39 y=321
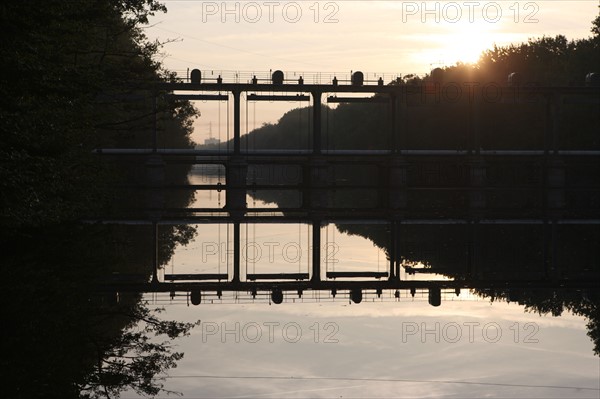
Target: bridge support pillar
x=316 y=254
x=236 y=252
x=398 y=181
x=475 y=256
x=237 y=170
x=155 y=180
x=550 y=235
x=316 y=184
x=477 y=180
x=555 y=184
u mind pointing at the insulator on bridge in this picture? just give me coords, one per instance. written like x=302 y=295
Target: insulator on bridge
x=277 y=77
x=380 y=81
x=356 y=295
x=254 y=80
x=219 y=80
x=514 y=79
x=196 y=297
x=333 y=292
x=301 y=80
x=435 y=296
x=335 y=81
x=358 y=78
x=277 y=296
x=592 y=79
x=195 y=76
x=437 y=75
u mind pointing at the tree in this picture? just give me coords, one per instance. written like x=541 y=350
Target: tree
x=132 y=359
x=78 y=75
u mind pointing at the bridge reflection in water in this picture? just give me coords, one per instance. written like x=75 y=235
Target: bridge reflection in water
x=511 y=257
x=505 y=221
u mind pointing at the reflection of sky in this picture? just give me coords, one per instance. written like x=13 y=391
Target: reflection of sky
x=371 y=345
x=269 y=248
x=387 y=348
x=275 y=248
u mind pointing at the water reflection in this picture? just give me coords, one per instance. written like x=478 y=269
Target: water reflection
x=546 y=265
x=64 y=338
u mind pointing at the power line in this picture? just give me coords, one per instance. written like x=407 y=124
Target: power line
x=380 y=380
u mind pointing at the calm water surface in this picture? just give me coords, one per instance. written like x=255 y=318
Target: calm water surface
x=317 y=345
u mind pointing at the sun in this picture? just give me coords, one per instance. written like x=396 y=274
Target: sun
x=465 y=42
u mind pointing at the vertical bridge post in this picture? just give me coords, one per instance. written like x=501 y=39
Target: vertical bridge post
x=316 y=254
x=477 y=165
x=237 y=167
x=555 y=177
x=317 y=184
x=397 y=175
x=316 y=122
x=236 y=252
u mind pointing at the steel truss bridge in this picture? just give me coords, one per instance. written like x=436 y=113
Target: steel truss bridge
x=555 y=197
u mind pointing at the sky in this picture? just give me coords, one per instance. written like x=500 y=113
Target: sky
x=320 y=39
x=379 y=36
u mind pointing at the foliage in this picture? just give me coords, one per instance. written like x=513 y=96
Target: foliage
x=77 y=75
x=80 y=75
x=133 y=359
x=64 y=336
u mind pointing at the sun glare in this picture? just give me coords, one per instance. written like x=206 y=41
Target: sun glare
x=465 y=42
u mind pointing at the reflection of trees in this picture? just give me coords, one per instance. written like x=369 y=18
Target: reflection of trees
x=506 y=253
x=65 y=338
x=555 y=302
x=78 y=76
x=128 y=357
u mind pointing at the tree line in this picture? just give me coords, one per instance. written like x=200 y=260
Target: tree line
x=77 y=76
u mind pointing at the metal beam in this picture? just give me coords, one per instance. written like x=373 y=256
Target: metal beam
x=277 y=276
x=357 y=274
x=202 y=276
x=267 y=286
x=375 y=99
x=297 y=97
x=363 y=153
x=375 y=88
x=201 y=97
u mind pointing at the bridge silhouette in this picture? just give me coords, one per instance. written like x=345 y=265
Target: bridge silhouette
x=402 y=188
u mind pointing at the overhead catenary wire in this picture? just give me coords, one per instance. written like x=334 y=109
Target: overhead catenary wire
x=367 y=379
